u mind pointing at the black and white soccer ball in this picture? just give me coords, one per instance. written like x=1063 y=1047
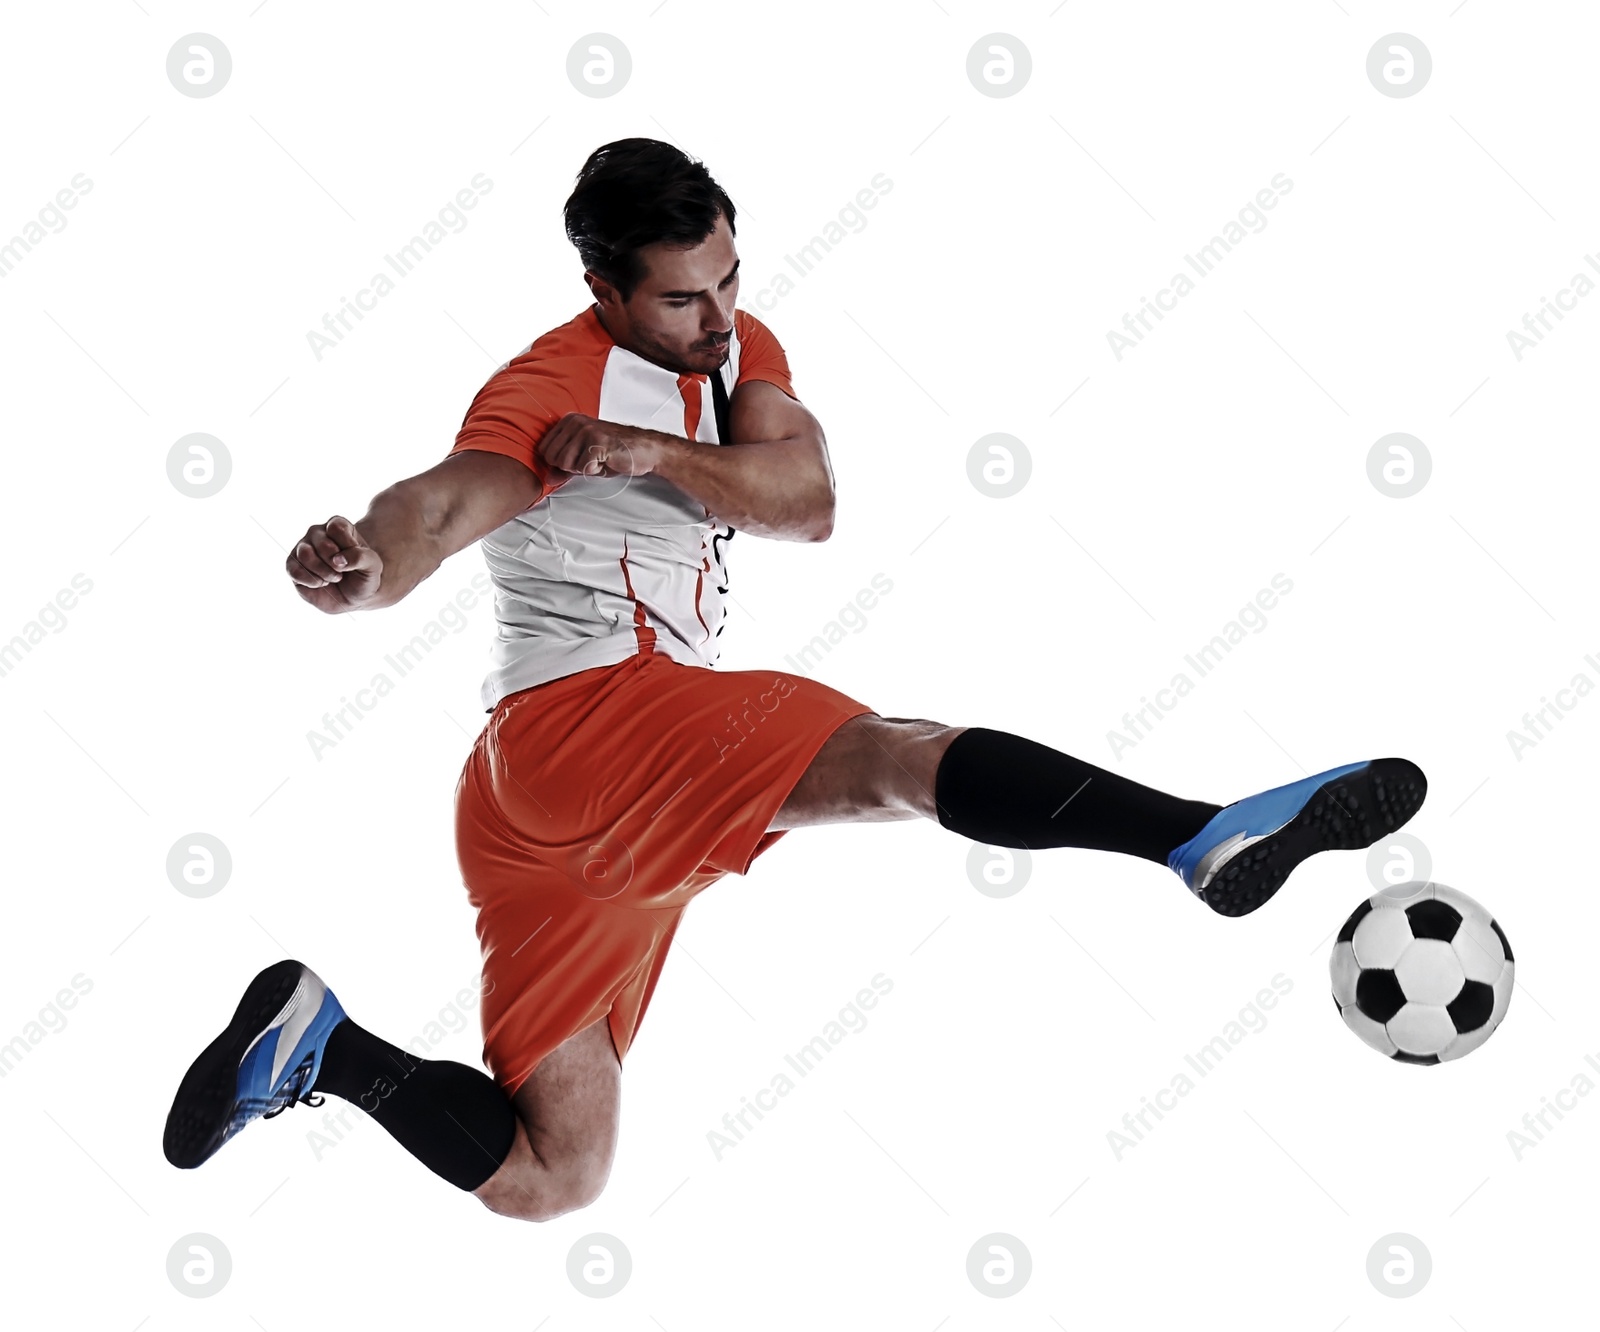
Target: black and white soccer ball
x=1422 y=973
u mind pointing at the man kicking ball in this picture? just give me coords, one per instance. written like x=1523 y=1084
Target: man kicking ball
x=605 y=470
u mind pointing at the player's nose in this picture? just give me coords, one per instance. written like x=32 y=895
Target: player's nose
x=721 y=327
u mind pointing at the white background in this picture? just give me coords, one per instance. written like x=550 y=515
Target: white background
x=1230 y=446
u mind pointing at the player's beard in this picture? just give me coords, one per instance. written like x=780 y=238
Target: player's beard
x=720 y=353
x=705 y=360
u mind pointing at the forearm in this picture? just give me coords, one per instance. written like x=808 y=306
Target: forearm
x=400 y=528
x=763 y=487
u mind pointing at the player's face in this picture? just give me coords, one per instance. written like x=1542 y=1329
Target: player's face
x=681 y=315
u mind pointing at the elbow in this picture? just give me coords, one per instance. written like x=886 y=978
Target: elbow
x=823 y=510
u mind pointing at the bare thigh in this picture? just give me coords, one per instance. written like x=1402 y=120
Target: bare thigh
x=568 y=1112
x=871 y=770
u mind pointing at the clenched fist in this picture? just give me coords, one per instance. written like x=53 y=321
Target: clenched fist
x=334 y=568
x=583 y=446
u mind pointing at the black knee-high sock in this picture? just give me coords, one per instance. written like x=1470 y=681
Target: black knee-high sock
x=1005 y=790
x=452 y=1118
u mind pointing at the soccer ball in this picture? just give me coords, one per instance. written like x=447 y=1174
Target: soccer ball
x=1422 y=973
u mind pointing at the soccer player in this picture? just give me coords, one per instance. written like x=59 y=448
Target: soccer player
x=605 y=470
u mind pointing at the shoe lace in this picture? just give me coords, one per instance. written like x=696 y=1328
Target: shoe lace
x=293 y=1092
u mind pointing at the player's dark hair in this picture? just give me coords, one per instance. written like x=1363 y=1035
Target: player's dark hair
x=638 y=192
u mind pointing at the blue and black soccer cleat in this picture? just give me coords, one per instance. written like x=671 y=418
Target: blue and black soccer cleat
x=1243 y=855
x=265 y=1061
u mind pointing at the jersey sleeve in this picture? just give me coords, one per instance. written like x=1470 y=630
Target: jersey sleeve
x=760 y=355
x=511 y=414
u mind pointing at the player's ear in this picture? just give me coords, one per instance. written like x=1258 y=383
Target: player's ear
x=602 y=290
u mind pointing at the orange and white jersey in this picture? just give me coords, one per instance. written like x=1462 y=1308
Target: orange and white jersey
x=601 y=568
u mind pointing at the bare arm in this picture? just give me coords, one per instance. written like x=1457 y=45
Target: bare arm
x=408 y=531
x=774 y=480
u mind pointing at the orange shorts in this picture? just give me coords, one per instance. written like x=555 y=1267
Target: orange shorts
x=592 y=808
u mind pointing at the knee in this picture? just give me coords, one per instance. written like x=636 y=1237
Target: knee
x=917 y=731
x=579 y=1187
x=543 y=1194
x=917 y=746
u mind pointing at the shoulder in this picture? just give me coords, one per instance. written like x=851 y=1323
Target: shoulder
x=752 y=330
x=579 y=338
x=567 y=363
x=761 y=356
